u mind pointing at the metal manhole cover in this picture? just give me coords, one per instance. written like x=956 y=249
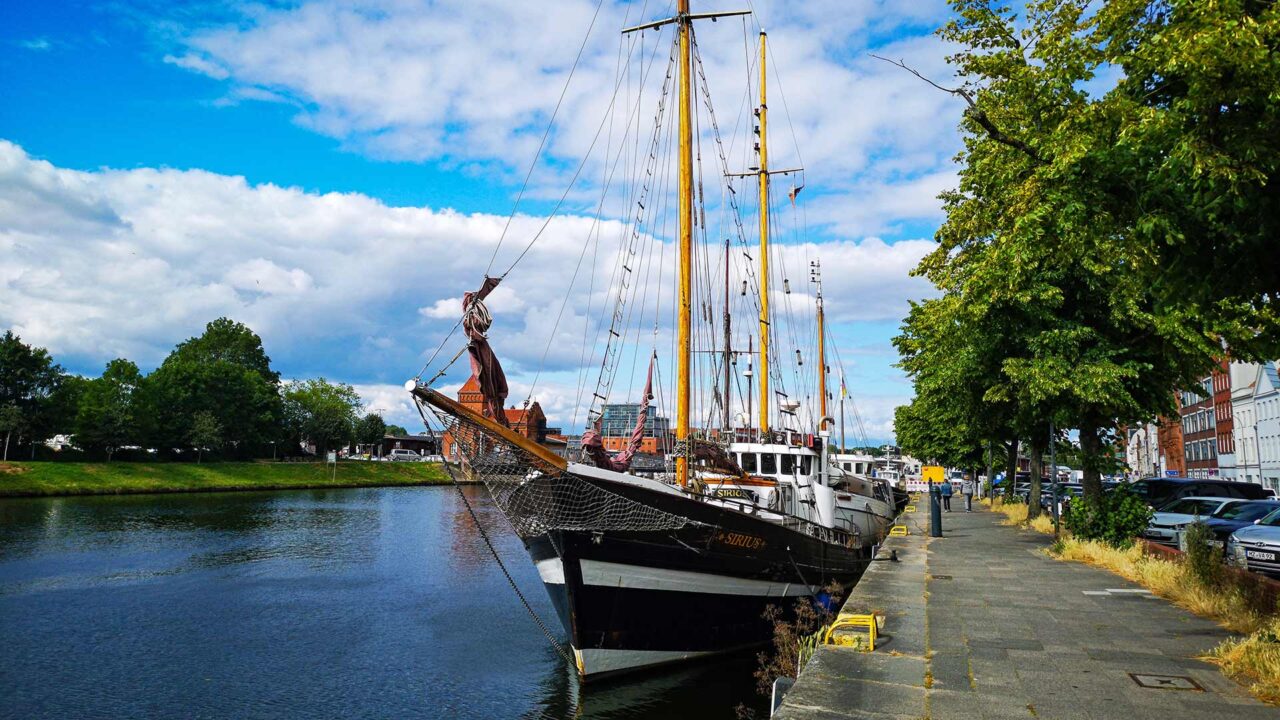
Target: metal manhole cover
x=940 y=577
x=1166 y=682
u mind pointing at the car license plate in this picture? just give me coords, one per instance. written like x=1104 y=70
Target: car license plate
x=1260 y=555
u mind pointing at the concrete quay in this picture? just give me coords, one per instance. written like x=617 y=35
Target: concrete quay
x=981 y=624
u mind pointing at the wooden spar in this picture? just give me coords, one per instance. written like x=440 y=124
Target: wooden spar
x=822 y=351
x=458 y=410
x=763 y=114
x=685 y=217
x=728 y=339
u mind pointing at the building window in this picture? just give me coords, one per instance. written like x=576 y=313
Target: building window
x=749 y=462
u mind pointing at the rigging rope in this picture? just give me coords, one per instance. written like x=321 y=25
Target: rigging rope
x=542 y=143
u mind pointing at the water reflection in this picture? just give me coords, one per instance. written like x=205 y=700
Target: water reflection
x=369 y=603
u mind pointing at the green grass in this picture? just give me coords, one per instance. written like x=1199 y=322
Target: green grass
x=67 y=478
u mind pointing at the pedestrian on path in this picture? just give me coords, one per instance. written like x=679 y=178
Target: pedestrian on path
x=946 y=492
x=966 y=489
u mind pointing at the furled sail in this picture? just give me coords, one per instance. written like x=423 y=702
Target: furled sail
x=484 y=364
x=593 y=444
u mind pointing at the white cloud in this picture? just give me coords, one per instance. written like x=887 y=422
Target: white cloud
x=129 y=262
x=475 y=83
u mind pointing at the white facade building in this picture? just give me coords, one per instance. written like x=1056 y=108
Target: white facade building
x=1142 y=451
x=1266 y=402
x=1244 y=379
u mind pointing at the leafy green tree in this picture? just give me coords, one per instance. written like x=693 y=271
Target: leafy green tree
x=322 y=412
x=370 y=429
x=105 y=420
x=396 y=430
x=1193 y=163
x=205 y=433
x=28 y=376
x=1055 y=299
x=224 y=372
x=11 y=421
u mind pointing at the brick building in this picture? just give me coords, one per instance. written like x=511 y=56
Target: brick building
x=1224 y=421
x=1199 y=429
x=1172 y=456
x=530 y=422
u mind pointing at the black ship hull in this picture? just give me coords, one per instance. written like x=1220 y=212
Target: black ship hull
x=636 y=599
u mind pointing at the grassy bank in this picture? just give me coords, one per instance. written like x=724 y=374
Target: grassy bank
x=19 y=479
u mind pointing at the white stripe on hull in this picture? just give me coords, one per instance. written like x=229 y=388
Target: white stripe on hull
x=595 y=661
x=607 y=574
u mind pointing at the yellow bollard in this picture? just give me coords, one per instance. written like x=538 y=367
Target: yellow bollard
x=870 y=622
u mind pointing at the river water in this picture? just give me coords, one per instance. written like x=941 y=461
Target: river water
x=366 y=603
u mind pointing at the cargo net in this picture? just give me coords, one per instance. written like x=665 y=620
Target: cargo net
x=537 y=496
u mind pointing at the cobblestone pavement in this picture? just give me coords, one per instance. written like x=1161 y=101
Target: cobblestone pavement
x=981 y=624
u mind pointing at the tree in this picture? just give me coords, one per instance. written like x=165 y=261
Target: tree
x=370 y=429
x=105 y=420
x=11 y=420
x=321 y=412
x=28 y=376
x=396 y=430
x=1031 y=250
x=205 y=433
x=1194 y=166
x=224 y=372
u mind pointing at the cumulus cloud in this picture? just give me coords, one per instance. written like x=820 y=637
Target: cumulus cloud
x=128 y=262
x=475 y=84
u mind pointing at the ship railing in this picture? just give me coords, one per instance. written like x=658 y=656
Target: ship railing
x=826 y=534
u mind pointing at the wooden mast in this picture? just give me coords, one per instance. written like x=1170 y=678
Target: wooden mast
x=684 y=351
x=685 y=216
x=822 y=351
x=763 y=114
x=728 y=340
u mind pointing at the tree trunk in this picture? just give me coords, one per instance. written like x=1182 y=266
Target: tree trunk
x=991 y=464
x=199 y=455
x=109 y=452
x=6 y=445
x=1089 y=451
x=1011 y=468
x=1037 y=467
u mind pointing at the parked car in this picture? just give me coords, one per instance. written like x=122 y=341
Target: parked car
x=1239 y=516
x=1256 y=547
x=1168 y=522
x=403 y=454
x=1159 y=492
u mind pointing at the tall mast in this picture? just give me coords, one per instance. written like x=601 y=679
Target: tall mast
x=685 y=188
x=728 y=338
x=822 y=350
x=762 y=113
x=683 y=21
x=842 y=445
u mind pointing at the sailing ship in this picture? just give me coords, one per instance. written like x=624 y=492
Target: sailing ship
x=745 y=519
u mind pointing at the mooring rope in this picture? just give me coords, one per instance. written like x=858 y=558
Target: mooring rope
x=484 y=535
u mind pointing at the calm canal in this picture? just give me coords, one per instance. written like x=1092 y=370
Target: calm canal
x=369 y=603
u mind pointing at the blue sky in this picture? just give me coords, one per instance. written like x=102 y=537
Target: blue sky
x=336 y=174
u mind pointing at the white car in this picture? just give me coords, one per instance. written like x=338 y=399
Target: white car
x=1168 y=522
x=402 y=454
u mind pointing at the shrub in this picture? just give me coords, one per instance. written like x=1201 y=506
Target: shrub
x=1116 y=518
x=1203 y=559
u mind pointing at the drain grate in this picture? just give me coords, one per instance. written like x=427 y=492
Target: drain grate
x=940 y=577
x=1166 y=682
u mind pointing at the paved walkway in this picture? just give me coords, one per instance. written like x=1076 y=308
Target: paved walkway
x=981 y=624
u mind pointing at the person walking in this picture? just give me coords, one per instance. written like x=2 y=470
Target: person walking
x=967 y=489
x=946 y=491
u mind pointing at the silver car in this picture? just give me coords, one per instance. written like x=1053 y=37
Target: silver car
x=1168 y=522
x=1257 y=546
